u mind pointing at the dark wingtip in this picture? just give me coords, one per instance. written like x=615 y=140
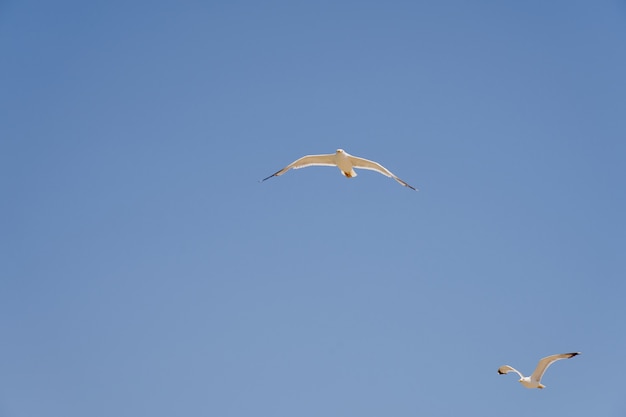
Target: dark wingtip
x=500 y=373
x=575 y=354
x=275 y=174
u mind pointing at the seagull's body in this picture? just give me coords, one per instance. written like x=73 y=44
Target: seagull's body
x=342 y=160
x=534 y=380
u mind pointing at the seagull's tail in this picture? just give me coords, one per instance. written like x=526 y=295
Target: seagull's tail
x=350 y=174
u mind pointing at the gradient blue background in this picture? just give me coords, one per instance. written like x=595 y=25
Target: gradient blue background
x=146 y=271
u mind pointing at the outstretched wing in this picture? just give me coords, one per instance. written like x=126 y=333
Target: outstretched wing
x=505 y=369
x=547 y=361
x=375 y=166
x=306 y=161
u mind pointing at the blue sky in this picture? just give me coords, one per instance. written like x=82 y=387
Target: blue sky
x=146 y=271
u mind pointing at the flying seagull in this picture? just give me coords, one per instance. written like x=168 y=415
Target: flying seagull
x=342 y=160
x=534 y=381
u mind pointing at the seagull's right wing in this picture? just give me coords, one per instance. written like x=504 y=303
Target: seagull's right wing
x=306 y=161
x=547 y=361
x=375 y=166
x=505 y=369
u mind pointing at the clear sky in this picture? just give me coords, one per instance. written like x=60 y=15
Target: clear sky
x=145 y=271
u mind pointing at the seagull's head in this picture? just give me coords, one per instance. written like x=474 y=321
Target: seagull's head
x=340 y=151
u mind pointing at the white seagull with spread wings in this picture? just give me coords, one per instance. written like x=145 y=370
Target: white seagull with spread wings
x=534 y=381
x=342 y=160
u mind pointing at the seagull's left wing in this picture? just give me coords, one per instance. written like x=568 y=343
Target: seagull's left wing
x=544 y=363
x=306 y=161
x=505 y=369
x=375 y=166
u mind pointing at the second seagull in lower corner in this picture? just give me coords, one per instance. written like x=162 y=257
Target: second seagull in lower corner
x=534 y=380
